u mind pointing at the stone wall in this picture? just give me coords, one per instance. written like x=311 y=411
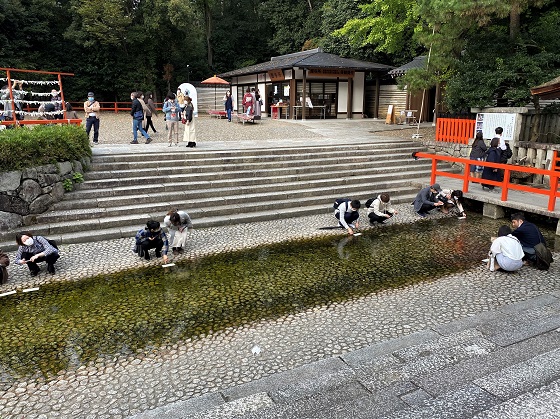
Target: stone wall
x=32 y=191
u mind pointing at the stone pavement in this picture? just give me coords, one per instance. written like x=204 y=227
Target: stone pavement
x=220 y=363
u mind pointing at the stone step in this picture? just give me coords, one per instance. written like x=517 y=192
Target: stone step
x=225 y=164
x=185 y=166
x=499 y=364
x=118 y=226
x=193 y=187
x=298 y=151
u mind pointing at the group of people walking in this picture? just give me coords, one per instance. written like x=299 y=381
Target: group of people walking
x=177 y=108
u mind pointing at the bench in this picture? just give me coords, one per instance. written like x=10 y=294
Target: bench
x=217 y=113
x=241 y=117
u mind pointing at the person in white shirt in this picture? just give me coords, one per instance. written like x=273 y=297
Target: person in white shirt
x=502 y=144
x=346 y=212
x=506 y=251
x=380 y=210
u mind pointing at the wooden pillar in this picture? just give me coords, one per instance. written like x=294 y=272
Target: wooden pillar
x=377 y=94
x=303 y=95
x=350 y=94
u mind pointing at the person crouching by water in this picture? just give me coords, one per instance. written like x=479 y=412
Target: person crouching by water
x=179 y=224
x=4 y=262
x=346 y=212
x=452 y=202
x=152 y=237
x=35 y=249
x=506 y=251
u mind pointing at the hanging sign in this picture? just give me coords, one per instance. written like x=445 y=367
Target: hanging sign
x=276 y=75
x=330 y=72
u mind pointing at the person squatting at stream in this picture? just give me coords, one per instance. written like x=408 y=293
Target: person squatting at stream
x=151 y=237
x=35 y=249
x=452 y=202
x=179 y=224
x=426 y=201
x=380 y=209
x=346 y=212
x=506 y=251
x=4 y=262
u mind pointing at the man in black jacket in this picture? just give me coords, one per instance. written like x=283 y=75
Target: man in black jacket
x=528 y=234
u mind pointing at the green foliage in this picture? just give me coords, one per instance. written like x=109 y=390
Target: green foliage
x=68 y=185
x=25 y=147
x=77 y=177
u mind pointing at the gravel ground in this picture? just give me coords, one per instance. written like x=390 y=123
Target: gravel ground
x=117 y=129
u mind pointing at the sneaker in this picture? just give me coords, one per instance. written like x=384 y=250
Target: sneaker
x=134 y=142
x=485 y=260
x=148 y=141
x=462 y=217
x=422 y=214
x=95 y=142
x=50 y=268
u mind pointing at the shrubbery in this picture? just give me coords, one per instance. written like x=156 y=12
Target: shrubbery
x=30 y=147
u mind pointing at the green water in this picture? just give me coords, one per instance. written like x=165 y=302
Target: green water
x=65 y=325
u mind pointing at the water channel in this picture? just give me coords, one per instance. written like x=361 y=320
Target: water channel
x=65 y=325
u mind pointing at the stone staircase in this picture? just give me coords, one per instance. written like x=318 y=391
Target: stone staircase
x=498 y=364
x=122 y=191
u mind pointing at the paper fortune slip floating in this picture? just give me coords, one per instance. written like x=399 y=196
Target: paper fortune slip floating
x=167 y=265
x=7 y=293
x=31 y=289
x=357 y=234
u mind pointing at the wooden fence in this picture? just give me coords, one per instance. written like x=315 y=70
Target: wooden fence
x=547 y=129
x=453 y=130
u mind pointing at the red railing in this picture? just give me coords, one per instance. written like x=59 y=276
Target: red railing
x=453 y=130
x=505 y=184
x=111 y=106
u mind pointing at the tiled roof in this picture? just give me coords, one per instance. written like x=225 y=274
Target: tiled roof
x=418 y=62
x=548 y=90
x=308 y=59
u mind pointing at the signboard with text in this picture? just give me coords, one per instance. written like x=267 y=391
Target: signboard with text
x=488 y=122
x=330 y=72
x=276 y=75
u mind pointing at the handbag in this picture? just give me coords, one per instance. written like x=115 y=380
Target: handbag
x=138 y=115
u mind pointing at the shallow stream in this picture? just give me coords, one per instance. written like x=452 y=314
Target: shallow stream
x=65 y=325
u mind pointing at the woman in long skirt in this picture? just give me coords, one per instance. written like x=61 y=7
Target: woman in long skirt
x=189 y=136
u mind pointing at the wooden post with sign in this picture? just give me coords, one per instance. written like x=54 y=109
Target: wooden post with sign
x=390 y=115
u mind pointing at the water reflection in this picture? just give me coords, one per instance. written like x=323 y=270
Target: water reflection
x=66 y=325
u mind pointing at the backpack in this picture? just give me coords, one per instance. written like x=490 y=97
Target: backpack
x=506 y=154
x=543 y=257
x=369 y=202
x=339 y=201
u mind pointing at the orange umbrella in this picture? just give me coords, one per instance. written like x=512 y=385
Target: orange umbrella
x=215 y=81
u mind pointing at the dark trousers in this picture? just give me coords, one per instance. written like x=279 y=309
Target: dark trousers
x=349 y=217
x=373 y=217
x=426 y=208
x=151 y=244
x=33 y=267
x=92 y=120
x=149 y=124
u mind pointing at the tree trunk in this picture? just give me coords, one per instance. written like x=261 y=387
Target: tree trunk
x=514 y=20
x=209 y=29
x=535 y=120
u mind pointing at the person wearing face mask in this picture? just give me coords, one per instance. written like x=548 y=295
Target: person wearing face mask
x=91 y=108
x=35 y=249
x=346 y=212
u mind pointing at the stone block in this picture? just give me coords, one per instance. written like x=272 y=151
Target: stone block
x=41 y=204
x=30 y=190
x=77 y=166
x=48 y=168
x=13 y=204
x=46 y=179
x=9 y=221
x=493 y=211
x=57 y=191
x=10 y=181
x=65 y=167
x=29 y=173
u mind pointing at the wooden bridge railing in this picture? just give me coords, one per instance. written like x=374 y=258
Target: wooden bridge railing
x=453 y=130
x=505 y=184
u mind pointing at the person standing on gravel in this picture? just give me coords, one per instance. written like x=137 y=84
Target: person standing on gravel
x=150 y=110
x=189 y=136
x=137 y=113
x=172 y=117
x=92 y=108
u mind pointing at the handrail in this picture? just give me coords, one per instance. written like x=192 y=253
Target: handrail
x=454 y=130
x=505 y=184
x=42 y=122
x=112 y=106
